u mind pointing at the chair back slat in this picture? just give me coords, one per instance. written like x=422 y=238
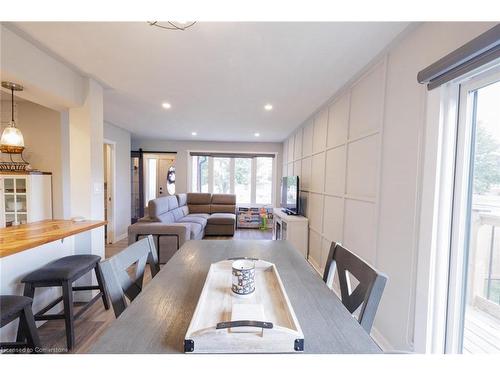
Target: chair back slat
x=367 y=293
x=329 y=270
x=118 y=281
x=153 y=257
x=113 y=287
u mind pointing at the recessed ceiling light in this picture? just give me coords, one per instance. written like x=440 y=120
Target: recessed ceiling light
x=256 y=134
x=268 y=107
x=166 y=105
x=194 y=133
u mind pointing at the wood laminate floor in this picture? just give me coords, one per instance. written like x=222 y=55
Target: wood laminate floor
x=90 y=326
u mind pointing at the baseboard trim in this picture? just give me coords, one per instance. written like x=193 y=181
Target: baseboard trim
x=120 y=237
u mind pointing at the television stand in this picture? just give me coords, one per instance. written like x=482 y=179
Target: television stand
x=293 y=228
x=289 y=212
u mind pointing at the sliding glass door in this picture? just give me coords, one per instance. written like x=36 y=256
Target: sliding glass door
x=473 y=313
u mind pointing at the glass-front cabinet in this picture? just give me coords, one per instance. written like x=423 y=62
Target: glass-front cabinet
x=25 y=198
x=15 y=200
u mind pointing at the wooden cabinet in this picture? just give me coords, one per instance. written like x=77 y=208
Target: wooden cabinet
x=25 y=198
x=293 y=228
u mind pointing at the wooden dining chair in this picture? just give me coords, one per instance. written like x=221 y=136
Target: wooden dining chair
x=328 y=266
x=367 y=293
x=153 y=259
x=120 y=285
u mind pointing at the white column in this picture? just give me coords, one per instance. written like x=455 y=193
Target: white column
x=86 y=172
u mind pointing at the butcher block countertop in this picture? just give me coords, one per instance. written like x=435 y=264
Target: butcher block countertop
x=27 y=236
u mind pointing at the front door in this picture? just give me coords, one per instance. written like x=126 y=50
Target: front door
x=164 y=166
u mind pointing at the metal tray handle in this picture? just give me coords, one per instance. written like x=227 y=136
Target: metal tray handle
x=245 y=323
x=246 y=258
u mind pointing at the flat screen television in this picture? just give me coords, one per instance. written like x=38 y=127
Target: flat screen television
x=290 y=195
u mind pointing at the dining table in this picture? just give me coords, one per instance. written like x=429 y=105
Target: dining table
x=156 y=321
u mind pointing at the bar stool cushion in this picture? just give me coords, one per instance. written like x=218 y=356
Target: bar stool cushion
x=65 y=268
x=10 y=306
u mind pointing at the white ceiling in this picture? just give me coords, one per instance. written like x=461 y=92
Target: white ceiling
x=217 y=76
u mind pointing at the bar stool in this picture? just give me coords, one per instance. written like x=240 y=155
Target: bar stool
x=63 y=272
x=11 y=308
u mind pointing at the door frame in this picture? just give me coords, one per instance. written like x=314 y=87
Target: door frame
x=436 y=237
x=111 y=226
x=154 y=155
x=461 y=220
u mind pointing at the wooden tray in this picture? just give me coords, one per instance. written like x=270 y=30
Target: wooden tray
x=269 y=322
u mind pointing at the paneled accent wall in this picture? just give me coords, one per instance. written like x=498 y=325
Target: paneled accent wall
x=360 y=158
x=336 y=155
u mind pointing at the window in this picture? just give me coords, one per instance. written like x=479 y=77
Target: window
x=222 y=175
x=243 y=180
x=264 y=180
x=199 y=181
x=249 y=177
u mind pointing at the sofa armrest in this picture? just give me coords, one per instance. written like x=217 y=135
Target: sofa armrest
x=181 y=230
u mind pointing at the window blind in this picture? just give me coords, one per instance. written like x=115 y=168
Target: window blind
x=230 y=155
x=479 y=51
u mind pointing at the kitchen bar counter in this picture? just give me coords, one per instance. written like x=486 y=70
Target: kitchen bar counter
x=27 y=236
x=26 y=247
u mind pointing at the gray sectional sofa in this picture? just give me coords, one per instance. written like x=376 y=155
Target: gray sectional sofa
x=173 y=220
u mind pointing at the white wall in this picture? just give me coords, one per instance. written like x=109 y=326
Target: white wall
x=84 y=143
x=182 y=148
x=48 y=81
x=122 y=214
x=41 y=128
x=51 y=83
x=360 y=158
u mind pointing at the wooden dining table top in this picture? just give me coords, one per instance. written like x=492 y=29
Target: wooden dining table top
x=157 y=320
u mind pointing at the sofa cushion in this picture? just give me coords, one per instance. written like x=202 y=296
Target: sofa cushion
x=223 y=208
x=194 y=219
x=196 y=231
x=182 y=199
x=199 y=202
x=222 y=218
x=179 y=212
x=223 y=203
x=159 y=209
x=199 y=198
x=172 y=202
x=203 y=215
x=224 y=199
x=199 y=209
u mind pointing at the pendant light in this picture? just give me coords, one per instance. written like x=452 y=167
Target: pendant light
x=12 y=141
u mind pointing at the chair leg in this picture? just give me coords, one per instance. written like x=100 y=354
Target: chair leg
x=29 y=291
x=30 y=330
x=102 y=287
x=68 y=313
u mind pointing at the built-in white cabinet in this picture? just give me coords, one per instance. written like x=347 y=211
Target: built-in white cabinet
x=25 y=198
x=293 y=228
